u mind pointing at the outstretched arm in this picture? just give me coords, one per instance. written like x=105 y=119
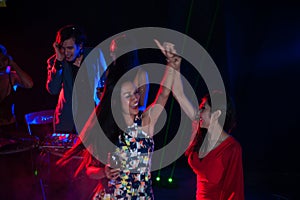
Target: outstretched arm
x=183 y=101
x=141 y=80
x=155 y=109
x=177 y=88
x=174 y=61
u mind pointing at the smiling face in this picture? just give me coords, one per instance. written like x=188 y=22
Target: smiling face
x=70 y=49
x=205 y=114
x=129 y=99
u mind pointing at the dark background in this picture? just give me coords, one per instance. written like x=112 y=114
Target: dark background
x=255 y=46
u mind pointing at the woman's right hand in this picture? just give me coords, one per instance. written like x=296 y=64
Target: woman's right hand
x=173 y=59
x=175 y=62
x=58 y=51
x=111 y=173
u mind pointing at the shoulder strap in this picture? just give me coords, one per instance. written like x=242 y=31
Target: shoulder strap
x=138 y=118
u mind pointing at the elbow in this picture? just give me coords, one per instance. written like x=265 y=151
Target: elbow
x=164 y=95
x=165 y=92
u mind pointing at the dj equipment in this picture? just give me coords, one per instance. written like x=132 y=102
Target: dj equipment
x=58 y=143
x=17 y=160
x=59 y=140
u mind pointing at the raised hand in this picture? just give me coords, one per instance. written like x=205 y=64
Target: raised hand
x=58 y=51
x=168 y=49
x=78 y=61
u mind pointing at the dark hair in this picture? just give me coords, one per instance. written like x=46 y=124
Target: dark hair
x=228 y=112
x=91 y=139
x=71 y=31
x=109 y=125
x=227 y=117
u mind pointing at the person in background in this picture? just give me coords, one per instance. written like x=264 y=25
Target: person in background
x=63 y=66
x=127 y=62
x=11 y=75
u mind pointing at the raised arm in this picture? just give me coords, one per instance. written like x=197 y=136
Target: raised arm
x=180 y=96
x=177 y=87
x=23 y=79
x=142 y=81
x=55 y=74
x=155 y=109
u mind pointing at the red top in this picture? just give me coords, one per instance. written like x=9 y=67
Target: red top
x=220 y=172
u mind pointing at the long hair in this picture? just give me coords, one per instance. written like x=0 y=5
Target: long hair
x=89 y=144
x=228 y=112
x=228 y=116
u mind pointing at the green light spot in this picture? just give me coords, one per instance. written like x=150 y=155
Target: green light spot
x=170 y=180
x=35 y=172
x=158 y=178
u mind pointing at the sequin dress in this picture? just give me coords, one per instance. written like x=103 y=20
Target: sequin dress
x=134 y=153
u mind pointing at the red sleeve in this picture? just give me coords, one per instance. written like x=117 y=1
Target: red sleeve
x=194 y=162
x=233 y=187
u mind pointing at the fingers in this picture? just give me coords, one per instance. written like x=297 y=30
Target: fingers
x=78 y=61
x=55 y=45
x=160 y=47
x=111 y=173
x=168 y=49
x=174 y=62
x=57 y=48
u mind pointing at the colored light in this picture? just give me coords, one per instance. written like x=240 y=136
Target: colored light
x=158 y=178
x=170 y=180
x=35 y=172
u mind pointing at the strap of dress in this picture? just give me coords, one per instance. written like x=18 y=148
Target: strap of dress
x=138 y=118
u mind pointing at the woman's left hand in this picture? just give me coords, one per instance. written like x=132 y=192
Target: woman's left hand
x=111 y=173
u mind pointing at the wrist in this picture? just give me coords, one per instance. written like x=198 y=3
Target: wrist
x=58 y=64
x=59 y=57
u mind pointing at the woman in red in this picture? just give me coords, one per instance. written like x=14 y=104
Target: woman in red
x=214 y=155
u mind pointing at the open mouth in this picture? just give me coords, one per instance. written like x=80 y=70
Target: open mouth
x=134 y=106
